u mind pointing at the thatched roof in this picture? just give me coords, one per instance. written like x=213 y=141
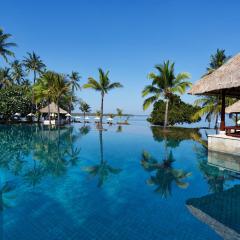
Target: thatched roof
x=235 y=108
x=226 y=77
x=53 y=109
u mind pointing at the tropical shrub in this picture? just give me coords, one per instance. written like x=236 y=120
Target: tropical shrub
x=179 y=112
x=15 y=99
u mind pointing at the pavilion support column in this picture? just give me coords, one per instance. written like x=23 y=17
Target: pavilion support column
x=222 y=125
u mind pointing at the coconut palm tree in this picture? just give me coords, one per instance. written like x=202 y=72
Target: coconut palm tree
x=60 y=89
x=5 y=45
x=17 y=72
x=103 y=86
x=85 y=108
x=33 y=63
x=43 y=90
x=164 y=85
x=74 y=84
x=120 y=113
x=217 y=60
x=5 y=77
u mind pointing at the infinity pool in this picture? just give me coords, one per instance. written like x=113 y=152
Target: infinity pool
x=129 y=182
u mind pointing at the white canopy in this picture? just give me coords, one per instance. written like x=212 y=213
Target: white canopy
x=30 y=115
x=109 y=119
x=68 y=115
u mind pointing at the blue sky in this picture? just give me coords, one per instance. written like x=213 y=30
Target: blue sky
x=127 y=37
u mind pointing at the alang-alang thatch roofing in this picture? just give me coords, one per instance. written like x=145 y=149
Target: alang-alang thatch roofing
x=53 y=109
x=235 y=108
x=227 y=78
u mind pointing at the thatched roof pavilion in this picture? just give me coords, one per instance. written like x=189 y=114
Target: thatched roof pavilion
x=235 y=108
x=53 y=109
x=225 y=81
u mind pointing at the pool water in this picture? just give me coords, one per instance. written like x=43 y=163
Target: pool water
x=129 y=182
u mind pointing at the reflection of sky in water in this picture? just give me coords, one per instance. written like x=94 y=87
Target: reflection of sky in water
x=54 y=177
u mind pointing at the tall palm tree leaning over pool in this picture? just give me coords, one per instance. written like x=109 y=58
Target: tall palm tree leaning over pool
x=103 y=86
x=164 y=85
x=74 y=83
x=5 y=45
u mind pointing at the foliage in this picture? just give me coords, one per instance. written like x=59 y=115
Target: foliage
x=34 y=63
x=164 y=85
x=17 y=72
x=84 y=107
x=5 y=45
x=103 y=86
x=179 y=112
x=5 y=78
x=164 y=174
x=217 y=60
x=15 y=99
x=211 y=105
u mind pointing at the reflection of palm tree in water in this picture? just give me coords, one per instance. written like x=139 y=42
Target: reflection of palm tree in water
x=165 y=174
x=215 y=178
x=5 y=196
x=103 y=169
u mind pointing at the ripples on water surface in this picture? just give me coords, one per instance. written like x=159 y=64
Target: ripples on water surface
x=130 y=182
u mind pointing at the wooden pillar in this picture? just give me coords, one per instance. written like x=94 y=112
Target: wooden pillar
x=222 y=125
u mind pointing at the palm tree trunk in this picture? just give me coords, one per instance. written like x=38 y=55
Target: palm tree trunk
x=34 y=81
x=216 y=122
x=49 y=117
x=84 y=114
x=166 y=114
x=58 y=113
x=101 y=117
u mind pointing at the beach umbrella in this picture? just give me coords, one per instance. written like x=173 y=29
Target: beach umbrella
x=86 y=118
x=30 y=115
x=68 y=115
x=97 y=118
x=17 y=114
x=109 y=119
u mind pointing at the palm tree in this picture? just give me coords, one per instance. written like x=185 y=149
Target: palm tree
x=4 y=45
x=43 y=90
x=120 y=113
x=217 y=60
x=74 y=79
x=211 y=105
x=103 y=86
x=17 y=73
x=34 y=63
x=85 y=108
x=5 y=77
x=60 y=89
x=164 y=85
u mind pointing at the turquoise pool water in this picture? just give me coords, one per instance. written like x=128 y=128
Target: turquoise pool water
x=129 y=182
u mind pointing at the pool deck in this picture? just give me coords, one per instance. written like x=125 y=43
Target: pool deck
x=224 y=144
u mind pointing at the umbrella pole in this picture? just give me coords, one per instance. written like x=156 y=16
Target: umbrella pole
x=222 y=125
